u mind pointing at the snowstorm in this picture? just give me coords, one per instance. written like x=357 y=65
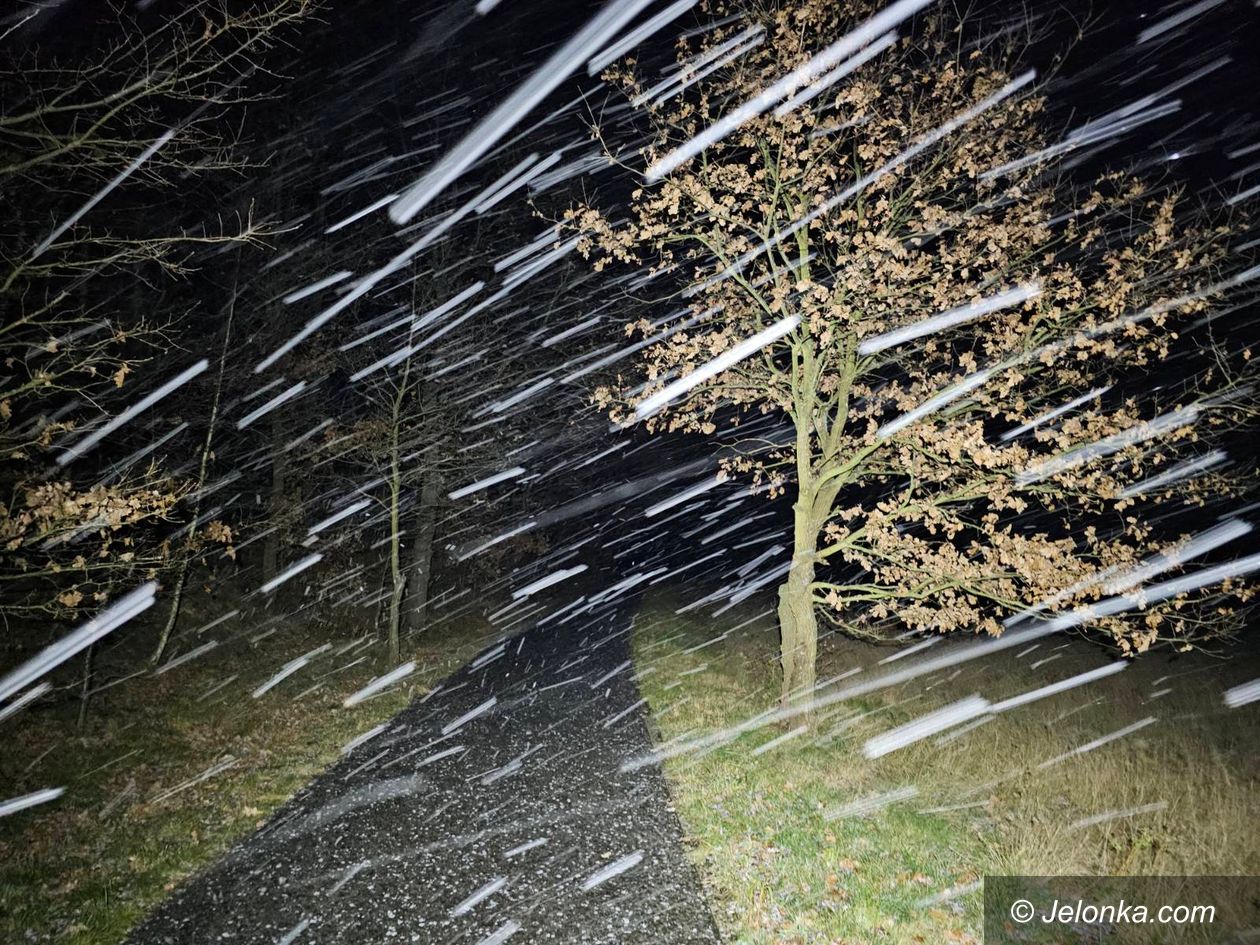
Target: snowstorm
x=630 y=472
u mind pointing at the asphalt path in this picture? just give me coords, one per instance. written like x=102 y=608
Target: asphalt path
x=492 y=810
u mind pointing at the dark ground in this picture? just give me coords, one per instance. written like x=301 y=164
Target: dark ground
x=386 y=845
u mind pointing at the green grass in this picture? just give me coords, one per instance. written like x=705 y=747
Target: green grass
x=780 y=868
x=74 y=872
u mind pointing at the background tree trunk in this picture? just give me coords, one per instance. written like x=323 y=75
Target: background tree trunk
x=397 y=577
x=422 y=555
x=181 y=579
x=271 y=547
x=89 y=674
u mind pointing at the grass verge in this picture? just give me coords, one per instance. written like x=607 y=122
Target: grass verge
x=788 y=857
x=85 y=868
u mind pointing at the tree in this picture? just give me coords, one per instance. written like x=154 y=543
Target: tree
x=100 y=164
x=401 y=417
x=958 y=334
x=415 y=409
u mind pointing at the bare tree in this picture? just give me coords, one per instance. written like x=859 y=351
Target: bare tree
x=408 y=439
x=99 y=164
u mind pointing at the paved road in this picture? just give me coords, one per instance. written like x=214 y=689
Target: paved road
x=473 y=821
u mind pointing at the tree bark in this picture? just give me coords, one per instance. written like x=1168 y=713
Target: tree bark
x=181 y=579
x=89 y=674
x=271 y=546
x=798 y=624
x=422 y=555
x=398 y=580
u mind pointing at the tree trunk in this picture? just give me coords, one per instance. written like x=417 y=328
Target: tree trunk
x=398 y=579
x=271 y=546
x=422 y=555
x=172 y=615
x=798 y=625
x=89 y=674
x=181 y=579
x=395 y=617
x=397 y=576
